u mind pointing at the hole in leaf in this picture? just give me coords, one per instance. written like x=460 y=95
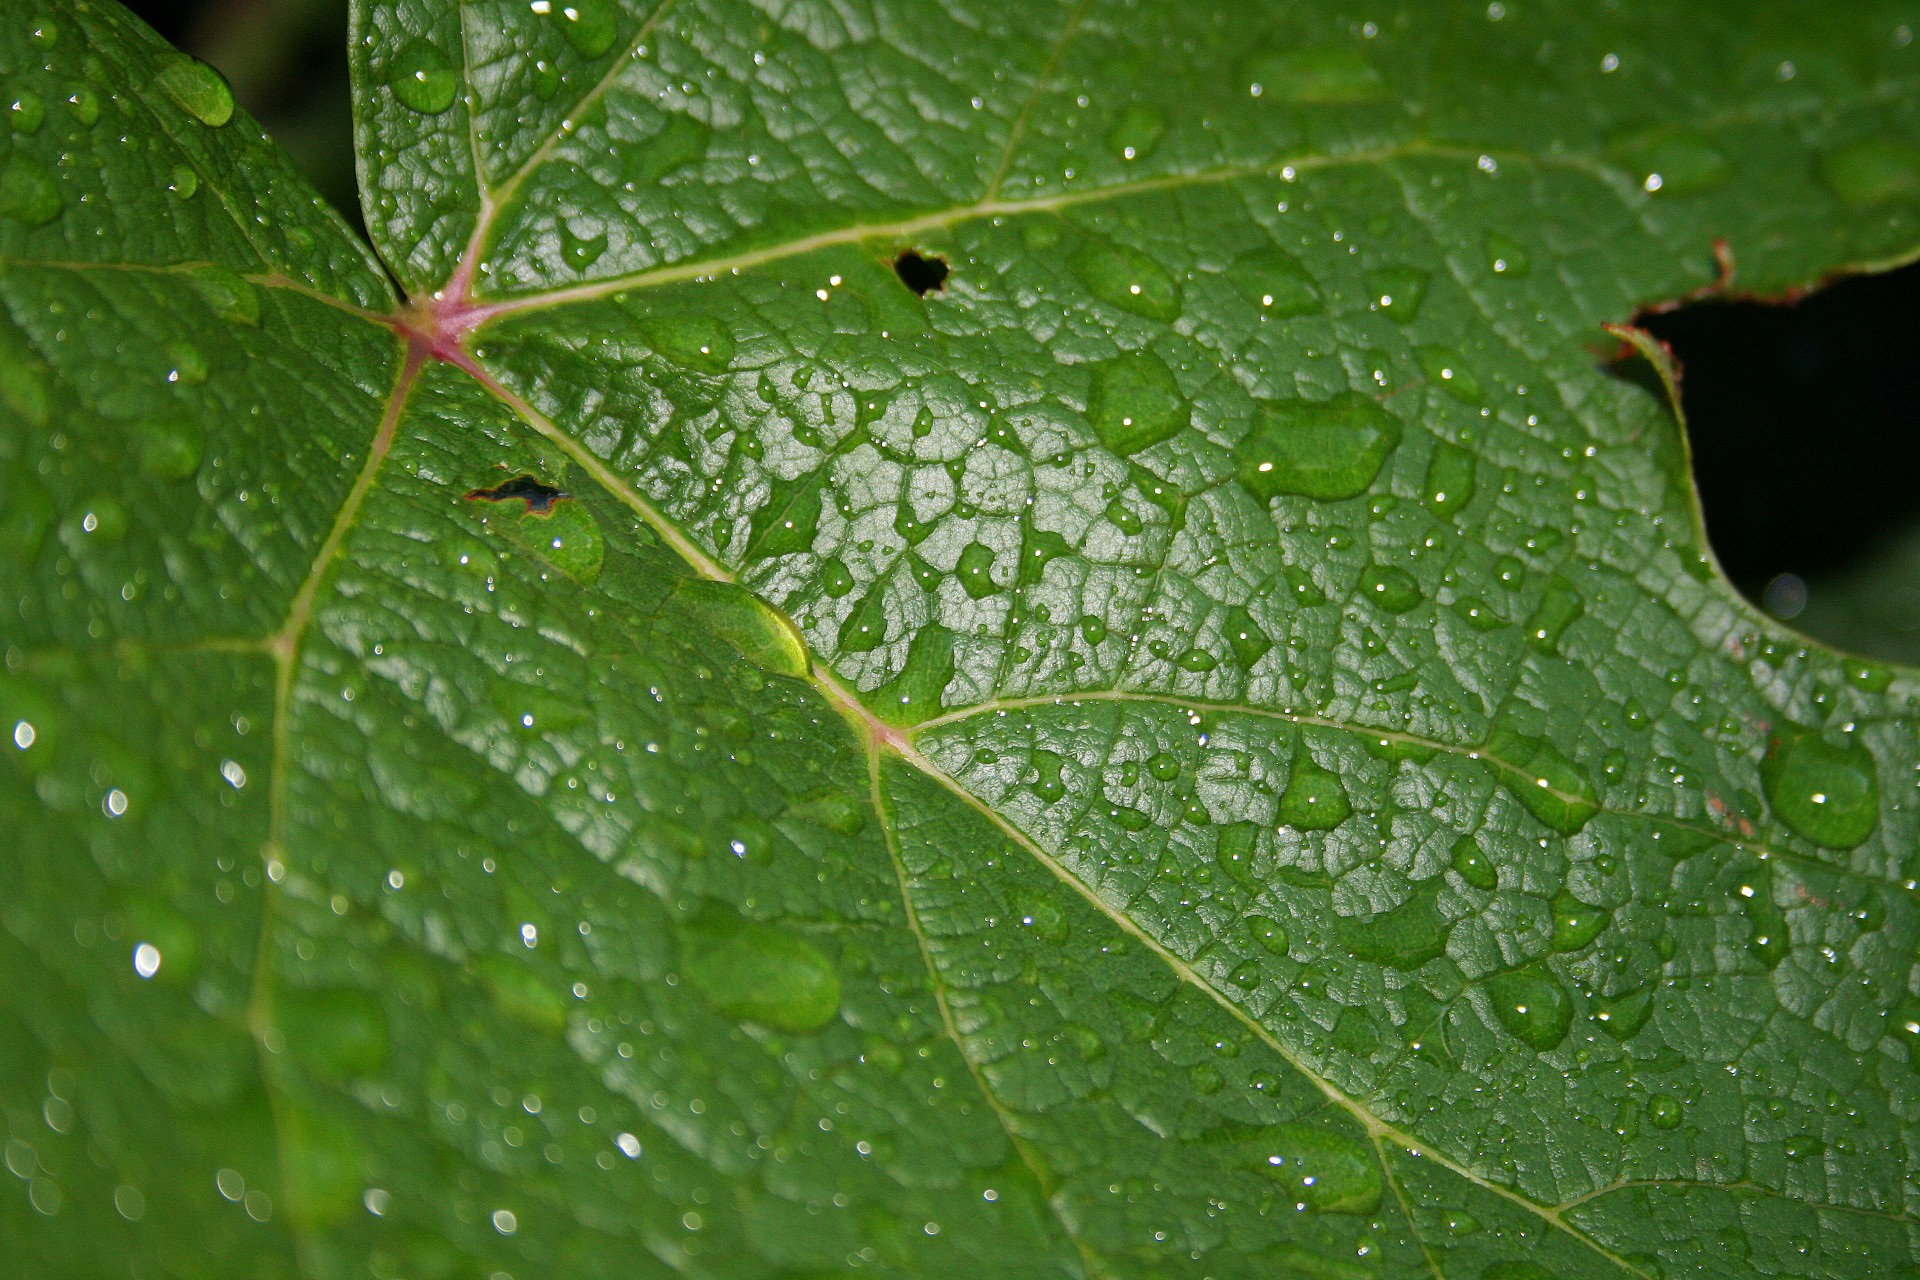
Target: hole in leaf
x=538 y=495
x=923 y=275
x=1805 y=425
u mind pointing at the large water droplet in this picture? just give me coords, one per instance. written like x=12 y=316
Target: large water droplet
x=1532 y=1005
x=1446 y=370
x=1392 y=589
x=1136 y=132
x=1398 y=292
x=197 y=89
x=1671 y=159
x=762 y=634
x=84 y=103
x=975 y=571
x=1314 y=799
x=1276 y=283
x=183 y=183
x=336 y=1033
x=1326 y=1171
x=170 y=448
x=865 y=629
x=1329 y=450
x=1244 y=636
x=837 y=811
x=1128 y=279
x=1450 y=481
x=422 y=78
x=228 y=294
x=581 y=251
x=789 y=519
x=1135 y=403
x=1665 y=1111
x=1472 y=864
x=1823 y=793
x=25 y=111
x=28 y=193
x=1547 y=784
x=1575 y=924
x=1404 y=938
x=695 y=342
x=520 y=994
x=590 y=25
x=1560 y=606
x=767 y=975
x=1319 y=75
x=1872 y=171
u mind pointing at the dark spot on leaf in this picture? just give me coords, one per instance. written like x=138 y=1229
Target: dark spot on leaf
x=922 y=275
x=538 y=495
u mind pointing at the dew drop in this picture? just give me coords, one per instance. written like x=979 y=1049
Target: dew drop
x=590 y=25
x=767 y=975
x=1127 y=279
x=1135 y=403
x=1315 y=75
x=1670 y=159
x=762 y=634
x=1328 y=450
x=25 y=112
x=1872 y=171
x=197 y=89
x=1822 y=792
x=423 y=79
x=1389 y=588
x=1136 y=132
x=84 y=103
x=1314 y=799
x=1326 y=1171
x=1472 y=864
x=581 y=252
x=170 y=448
x=1532 y=1006
x=28 y=193
x=975 y=571
x=1665 y=1111
x=1575 y=924
x=183 y=183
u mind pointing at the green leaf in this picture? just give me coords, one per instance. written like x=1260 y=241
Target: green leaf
x=1209 y=744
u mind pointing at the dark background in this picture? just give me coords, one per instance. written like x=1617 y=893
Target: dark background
x=1804 y=419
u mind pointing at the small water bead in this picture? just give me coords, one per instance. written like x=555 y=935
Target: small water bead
x=188 y=366
x=1320 y=75
x=581 y=252
x=590 y=25
x=975 y=571
x=1665 y=1111
x=1323 y=1170
x=1472 y=864
x=1398 y=292
x=183 y=182
x=423 y=79
x=1127 y=279
x=197 y=89
x=1392 y=589
x=1575 y=924
x=1671 y=159
x=44 y=34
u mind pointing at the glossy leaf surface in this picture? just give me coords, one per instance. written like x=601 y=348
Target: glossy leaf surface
x=1205 y=741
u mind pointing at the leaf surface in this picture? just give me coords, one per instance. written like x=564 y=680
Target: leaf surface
x=1206 y=742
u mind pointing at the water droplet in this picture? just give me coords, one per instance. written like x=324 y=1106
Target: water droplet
x=1244 y=636
x=1093 y=629
x=28 y=193
x=1507 y=256
x=45 y=34
x=1446 y=370
x=1136 y=132
x=25 y=112
x=1823 y=793
x=423 y=79
x=865 y=629
x=1135 y=403
x=1128 y=279
x=1329 y=450
x=1450 y=480
x=836 y=581
x=789 y=519
x=762 y=634
x=1459 y=1222
x=1872 y=171
x=1317 y=75
x=197 y=89
x=1622 y=1016
x=581 y=252
x=767 y=975
x=1389 y=588
x=696 y=342
x=188 y=366
x=1670 y=159
x=1472 y=864
x=1560 y=606
x=1575 y=924
x=101 y=520
x=566 y=535
x=1404 y=938
x=170 y=448
x=84 y=103
x=1314 y=799
x=146 y=959
x=227 y=294
x=1047 y=766
x=1276 y=283
x=1532 y=1005
x=590 y=25
x=1398 y=292
x=836 y=811
x=1803 y=1146
x=337 y=1033
x=975 y=571
x=1547 y=784
x=183 y=182
x=1665 y=1111
x=1324 y=1170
